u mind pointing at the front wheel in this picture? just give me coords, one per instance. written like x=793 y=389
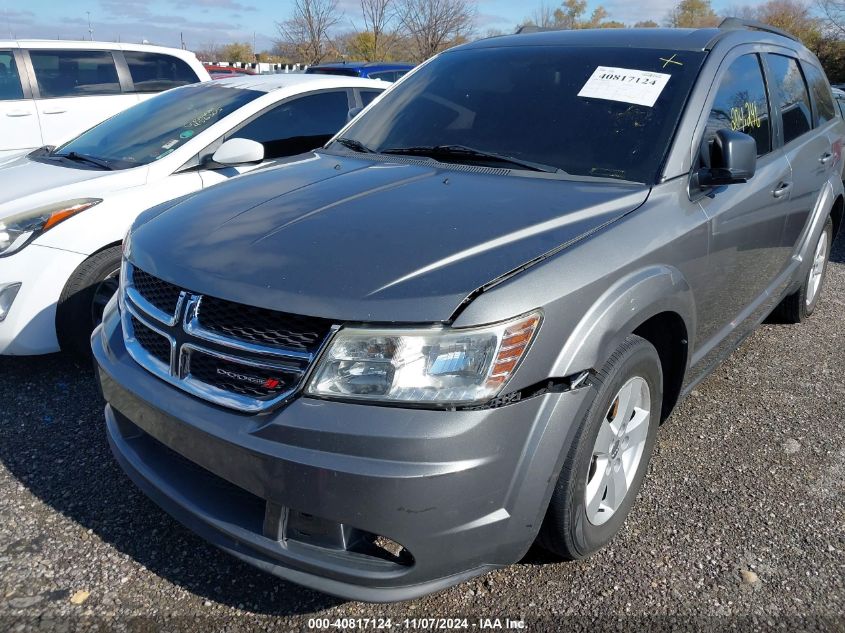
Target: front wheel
x=81 y=305
x=609 y=457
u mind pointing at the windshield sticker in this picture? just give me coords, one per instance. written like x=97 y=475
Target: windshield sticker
x=170 y=144
x=640 y=87
x=204 y=118
x=671 y=60
x=186 y=134
x=163 y=154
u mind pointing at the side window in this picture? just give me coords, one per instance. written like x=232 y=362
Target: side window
x=741 y=104
x=790 y=91
x=385 y=75
x=154 y=72
x=367 y=96
x=10 y=81
x=298 y=125
x=75 y=73
x=822 y=97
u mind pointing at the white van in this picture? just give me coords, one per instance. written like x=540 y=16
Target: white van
x=51 y=91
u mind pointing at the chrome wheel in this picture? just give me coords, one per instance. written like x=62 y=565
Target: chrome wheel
x=618 y=450
x=817 y=271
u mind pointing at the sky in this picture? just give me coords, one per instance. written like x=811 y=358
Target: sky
x=205 y=22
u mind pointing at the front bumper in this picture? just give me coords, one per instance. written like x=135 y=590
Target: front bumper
x=463 y=492
x=30 y=326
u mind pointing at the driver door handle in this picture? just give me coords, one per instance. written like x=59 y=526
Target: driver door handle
x=782 y=189
x=53 y=111
x=825 y=158
x=18 y=113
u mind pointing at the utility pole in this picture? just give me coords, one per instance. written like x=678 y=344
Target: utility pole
x=90 y=30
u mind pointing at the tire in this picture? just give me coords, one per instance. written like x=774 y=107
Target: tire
x=801 y=304
x=80 y=307
x=572 y=529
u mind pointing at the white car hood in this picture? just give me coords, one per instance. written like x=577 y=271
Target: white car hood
x=27 y=184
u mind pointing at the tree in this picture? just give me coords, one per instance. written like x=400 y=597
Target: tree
x=543 y=16
x=693 y=14
x=208 y=52
x=435 y=25
x=236 y=52
x=377 y=14
x=306 y=34
x=568 y=16
x=646 y=24
x=834 y=13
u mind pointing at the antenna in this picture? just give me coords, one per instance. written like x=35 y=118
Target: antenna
x=90 y=29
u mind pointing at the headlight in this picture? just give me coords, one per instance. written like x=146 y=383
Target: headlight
x=437 y=366
x=19 y=230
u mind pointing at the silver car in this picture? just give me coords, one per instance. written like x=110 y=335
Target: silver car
x=397 y=361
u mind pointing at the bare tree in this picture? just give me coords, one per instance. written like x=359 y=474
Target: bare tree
x=434 y=25
x=543 y=16
x=834 y=13
x=306 y=34
x=378 y=15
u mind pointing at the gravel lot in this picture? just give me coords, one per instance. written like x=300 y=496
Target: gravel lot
x=741 y=523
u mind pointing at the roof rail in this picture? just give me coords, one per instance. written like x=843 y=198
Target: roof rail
x=732 y=24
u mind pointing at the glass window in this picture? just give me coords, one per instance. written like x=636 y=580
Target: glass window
x=522 y=102
x=385 y=75
x=10 y=81
x=154 y=72
x=788 y=85
x=299 y=125
x=344 y=72
x=822 y=97
x=157 y=127
x=75 y=73
x=367 y=96
x=741 y=104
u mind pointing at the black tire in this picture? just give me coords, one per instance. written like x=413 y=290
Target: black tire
x=795 y=308
x=566 y=530
x=80 y=307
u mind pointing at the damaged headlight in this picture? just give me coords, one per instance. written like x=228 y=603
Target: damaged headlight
x=446 y=366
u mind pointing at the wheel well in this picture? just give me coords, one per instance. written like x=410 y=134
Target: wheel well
x=836 y=214
x=668 y=333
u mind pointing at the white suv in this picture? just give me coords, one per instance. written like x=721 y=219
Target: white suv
x=50 y=91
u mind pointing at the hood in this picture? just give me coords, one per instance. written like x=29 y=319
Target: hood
x=360 y=240
x=27 y=184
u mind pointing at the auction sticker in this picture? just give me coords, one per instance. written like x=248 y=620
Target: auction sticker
x=641 y=87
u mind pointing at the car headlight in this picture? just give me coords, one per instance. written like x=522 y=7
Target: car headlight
x=446 y=366
x=18 y=230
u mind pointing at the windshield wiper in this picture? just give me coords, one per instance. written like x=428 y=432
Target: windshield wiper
x=85 y=158
x=462 y=151
x=355 y=146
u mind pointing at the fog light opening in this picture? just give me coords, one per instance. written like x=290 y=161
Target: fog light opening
x=8 y=293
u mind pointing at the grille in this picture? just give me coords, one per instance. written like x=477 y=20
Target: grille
x=261 y=326
x=244 y=380
x=158 y=292
x=155 y=344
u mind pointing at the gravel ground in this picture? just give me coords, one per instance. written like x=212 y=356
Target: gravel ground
x=740 y=525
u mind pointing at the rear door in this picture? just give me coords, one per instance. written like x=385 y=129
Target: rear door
x=808 y=147
x=75 y=90
x=19 y=127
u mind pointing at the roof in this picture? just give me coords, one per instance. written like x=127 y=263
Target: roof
x=657 y=38
x=364 y=65
x=270 y=83
x=85 y=44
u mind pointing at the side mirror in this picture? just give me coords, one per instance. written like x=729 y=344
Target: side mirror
x=734 y=159
x=238 y=151
x=353 y=113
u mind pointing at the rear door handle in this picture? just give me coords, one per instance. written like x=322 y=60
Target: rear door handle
x=825 y=158
x=18 y=113
x=53 y=111
x=782 y=189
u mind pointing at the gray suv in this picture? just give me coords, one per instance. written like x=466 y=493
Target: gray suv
x=396 y=362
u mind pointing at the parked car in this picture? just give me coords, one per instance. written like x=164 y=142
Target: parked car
x=386 y=71
x=64 y=213
x=51 y=91
x=398 y=364
x=223 y=72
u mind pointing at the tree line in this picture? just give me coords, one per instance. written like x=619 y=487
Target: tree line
x=413 y=30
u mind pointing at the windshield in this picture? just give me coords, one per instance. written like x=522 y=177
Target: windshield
x=158 y=126
x=523 y=102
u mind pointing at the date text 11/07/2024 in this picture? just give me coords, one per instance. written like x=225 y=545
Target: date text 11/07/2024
x=420 y=624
